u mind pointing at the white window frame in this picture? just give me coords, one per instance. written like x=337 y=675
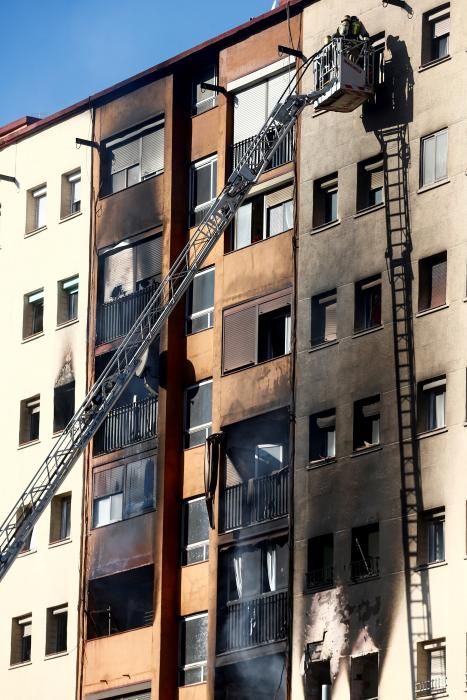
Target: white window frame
x=201 y=665
x=195 y=104
x=204 y=544
x=196 y=428
x=74 y=180
x=195 y=166
x=209 y=311
x=424 y=140
x=40 y=199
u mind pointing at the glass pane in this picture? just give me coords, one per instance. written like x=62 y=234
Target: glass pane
x=101 y=511
x=441 y=159
x=203 y=292
x=76 y=191
x=133 y=175
x=198 y=523
x=428 y=161
x=139 y=492
x=282 y=565
x=200 y=323
x=197 y=554
x=199 y=400
x=243 y=226
x=439 y=410
x=196 y=634
x=192 y=675
x=251 y=572
x=116 y=507
x=375 y=430
x=118 y=181
x=268 y=458
x=41 y=206
x=276 y=220
x=331 y=443
x=288 y=215
x=202 y=185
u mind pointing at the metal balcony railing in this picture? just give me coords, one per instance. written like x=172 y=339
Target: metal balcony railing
x=116 y=317
x=127 y=425
x=255 y=501
x=362 y=569
x=319 y=578
x=249 y=623
x=284 y=154
x=430 y=688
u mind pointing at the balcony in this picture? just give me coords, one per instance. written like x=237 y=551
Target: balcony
x=284 y=154
x=116 y=317
x=319 y=578
x=432 y=687
x=255 y=501
x=363 y=569
x=250 y=623
x=127 y=425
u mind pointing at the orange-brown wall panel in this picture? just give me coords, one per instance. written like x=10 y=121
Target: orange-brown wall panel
x=193 y=472
x=200 y=353
x=205 y=136
x=194 y=588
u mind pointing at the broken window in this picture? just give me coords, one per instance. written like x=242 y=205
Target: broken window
x=431 y=668
x=257 y=569
x=203 y=98
x=123 y=492
x=56 y=630
x=264 y=216
x=29 y=419
x=67 y=300
x=365 y=552
x=71 y=194
x=203 y=188
x=325 y=193
x=200 y=301
x=36 y=209
x=431 y=536
x=432 y=281
x=21 y=631
x=198 y=413
x=318 y=679
x=431 y=399
x=324 y=318
x=436 y=27
x=366 y=430
x=64 y=405
x=195 y=531
x=370 y=183
x=434 y=158
x=364 y=677
x=120 y=602
x=193 y=649
x=320 y=567
x=323 y=436
x=368 y=303
x=60 y=518
x=33 y=313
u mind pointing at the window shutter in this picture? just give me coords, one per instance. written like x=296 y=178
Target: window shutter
x=371 y=409
x=326 y=421
x=441 y=26
x=330 y=329
x=437 y=663
x=118 y=274
x=152 y=160
x=376 y=179
x=272 y=199
x=249 y=112
x=139 y=492
x=278 y=303
x=108 y=482
x=124 y=156
x=240 y=338
x=148 y=259
x=438 y=283
x=276 y=87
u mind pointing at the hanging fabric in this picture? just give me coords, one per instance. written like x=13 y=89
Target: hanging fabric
x=271 y=562
x=237 y=563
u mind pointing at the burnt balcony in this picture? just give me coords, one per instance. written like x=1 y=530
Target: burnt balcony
x=363 y=569
x=250 y=623
x=127 y=425
x=319 y=578
x=255 y=501
x=431 y=688
x=284 y=154
x=116 y=317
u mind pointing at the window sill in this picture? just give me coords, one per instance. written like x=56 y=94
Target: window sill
x=28 y=444
x=57 y=655
x=431 y=565
x=431 y=310
x=432 y=64
x=191 y=685
x=430 y=433
x=32 y=337
x=369 y=210
x=325 y=227
x=21 y=664
x=28 y=234
x=321 y=463
x=65 y=324
x=321 y=346
x=433 y=185
x=60 y=543
x=366 y=331
x=70 y=216
x=366 y=451
x=193 y=563
x=27 y=553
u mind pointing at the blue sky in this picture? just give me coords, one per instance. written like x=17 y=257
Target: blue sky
x=56 y=52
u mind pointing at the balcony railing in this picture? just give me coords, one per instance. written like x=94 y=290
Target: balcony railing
x=284 y=154
x=362 y=569
x=319 y=578
x=127 y=425
x=249 y=623
x=115 y=318
x=430 y=688
x=255 y=501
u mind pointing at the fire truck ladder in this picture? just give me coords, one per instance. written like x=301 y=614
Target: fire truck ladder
x=20 y=521
x=395 y=148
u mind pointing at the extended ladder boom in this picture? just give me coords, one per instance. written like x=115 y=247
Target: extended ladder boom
x=107 y=390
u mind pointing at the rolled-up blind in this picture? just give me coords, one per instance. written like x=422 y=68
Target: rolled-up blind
x=370 y=410
x=330 y=326
x=152 y=158
x=118 y=274
x=249 y=112
x=148 y=258
x=276 y=87
x=272 y=199
x=139 y=492
x=441 y=26
x=240 y=338
x=277 y=303
x=108 y=482
x=124 y=155
x=326 y=421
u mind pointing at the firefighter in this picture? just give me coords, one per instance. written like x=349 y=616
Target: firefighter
x=357 y=29
x=344 y=27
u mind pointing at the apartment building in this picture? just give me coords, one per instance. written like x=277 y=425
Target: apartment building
x=44 y=262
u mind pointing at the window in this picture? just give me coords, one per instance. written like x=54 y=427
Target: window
x=432 y=282
x=133 y=157
x=323 y=436
x=64 y=405
x=320 y=569
x=200 y=302
x=324 y=318
x=431 y=668
x=368 y=303
x=193 y=649
x=434 y=158
x=365 y=552
x=21 y=630
x=435 y=34
x=431 y=536
x=255 y=570
x=36 y=212
x=130 y=269
x=60 y=518
x=33 y=313
x=198 y=413
x=71 y=194
x=257 y=331
x=364 y=677
x=203 y=188
x=264 y=216
x=56 y=630
x=370 y=183
x=123 y=492
x=195 y=531
x=67 y=300
x=29 y=419
x=431 y=398
x=325 y=193
x=203 y=98
x=366 y=419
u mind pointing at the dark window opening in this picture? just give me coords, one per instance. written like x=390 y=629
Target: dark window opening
x=29 y=419
x=368 y=303
x=60 y=518
x=318 y=680
x=365 y=552
x=436 y=27
x=67 y=300
x=432 y=282
x=431 y=405
x=64 y=405
x=21 y=631
x=325 y=200
x=364 y=677
x=431 y=547
x=56 y=630
x=33 y=313
x=262 y=678
x=431 y=668
x=320 y=567
x=323 y=436
x=366 y=431
x=324 y=318
x=370 y=183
